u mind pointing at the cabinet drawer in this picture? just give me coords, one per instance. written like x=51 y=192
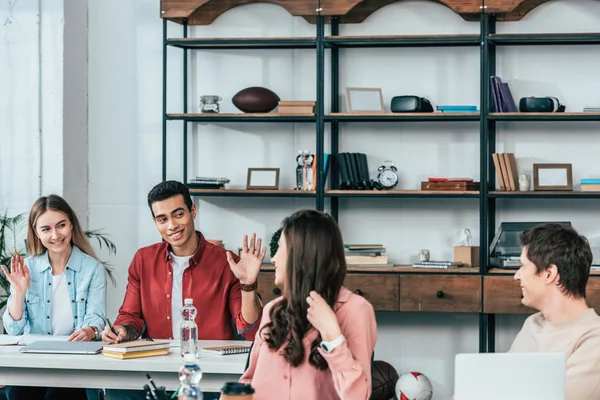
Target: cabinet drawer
x=502 y=295
x=381 y=290
x=440 y=293
x=592 y=292
x=266 y=286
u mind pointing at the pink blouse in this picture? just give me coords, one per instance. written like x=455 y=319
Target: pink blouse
x=349 y=374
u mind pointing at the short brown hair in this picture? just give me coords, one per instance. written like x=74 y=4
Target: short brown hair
x=561 y=245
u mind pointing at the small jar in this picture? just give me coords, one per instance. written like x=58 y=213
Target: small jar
x=209 y=104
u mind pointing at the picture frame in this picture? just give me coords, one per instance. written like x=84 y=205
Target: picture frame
x=553 y=177
x=364 y=100
x=262 y=179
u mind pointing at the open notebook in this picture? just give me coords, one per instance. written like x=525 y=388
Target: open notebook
x=226 y=350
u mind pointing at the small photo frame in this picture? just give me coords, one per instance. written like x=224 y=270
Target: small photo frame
x=364 y=100
x=552 y=177
x=263 y=179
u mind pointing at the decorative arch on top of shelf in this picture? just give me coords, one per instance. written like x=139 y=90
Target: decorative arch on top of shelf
x=511 y=10
x=356 y=11
x=204 y=12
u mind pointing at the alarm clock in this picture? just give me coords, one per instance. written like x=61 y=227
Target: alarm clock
x=388 y=176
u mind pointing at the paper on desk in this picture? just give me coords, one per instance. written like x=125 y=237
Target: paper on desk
x=7 y=340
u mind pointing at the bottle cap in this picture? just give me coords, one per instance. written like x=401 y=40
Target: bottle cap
x=189 y=357
x=188 y=302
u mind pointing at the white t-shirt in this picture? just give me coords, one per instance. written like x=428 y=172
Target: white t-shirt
x=179 y=265
x=61 y=313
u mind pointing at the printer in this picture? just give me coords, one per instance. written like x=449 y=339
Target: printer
x=505 y=251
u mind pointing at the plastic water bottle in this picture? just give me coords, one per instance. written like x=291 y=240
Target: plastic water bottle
x=189 y=329
x=190 y=375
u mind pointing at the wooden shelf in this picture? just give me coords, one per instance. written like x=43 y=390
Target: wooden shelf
x=204 y=12
x=501 y=271
x=250 y=193
x=242 y=117
x=546 y=194
x=403 y=41
x=396 y=269
x=357 y=11
x=400 y=193
x=389 y=116
x=244 y=43
x=559 y=116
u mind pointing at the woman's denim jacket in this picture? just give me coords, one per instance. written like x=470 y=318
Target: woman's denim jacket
x=86 y=283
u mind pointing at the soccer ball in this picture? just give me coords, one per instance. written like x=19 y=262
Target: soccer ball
x=414 y=386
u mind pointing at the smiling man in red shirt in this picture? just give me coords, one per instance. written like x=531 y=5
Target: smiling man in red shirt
x=185 y=265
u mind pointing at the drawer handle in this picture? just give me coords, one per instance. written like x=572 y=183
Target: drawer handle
x=358 y=292
x=439 y=294
x=276 y=291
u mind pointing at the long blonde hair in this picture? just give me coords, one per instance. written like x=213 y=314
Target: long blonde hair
x=55 y=203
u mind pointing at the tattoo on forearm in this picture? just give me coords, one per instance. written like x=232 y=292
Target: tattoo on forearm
x=132 y=333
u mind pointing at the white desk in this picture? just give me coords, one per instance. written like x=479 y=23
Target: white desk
x=98 y=371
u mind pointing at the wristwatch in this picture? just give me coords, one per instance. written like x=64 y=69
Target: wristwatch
x=249 y=288
x=329 y=346
x=96 y=333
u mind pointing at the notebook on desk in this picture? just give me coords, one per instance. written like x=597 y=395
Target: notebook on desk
x=54 y=347
x=226 y=350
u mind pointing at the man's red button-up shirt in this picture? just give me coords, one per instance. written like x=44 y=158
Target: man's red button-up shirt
x=208 y=281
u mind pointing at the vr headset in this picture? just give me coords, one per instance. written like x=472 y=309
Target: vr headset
x=540 y=104
x=410 y=104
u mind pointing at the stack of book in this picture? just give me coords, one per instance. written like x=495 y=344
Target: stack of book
x=506 y=171
x=136 y=349
x=366 y=254
x=502 y=97
x=590 y=184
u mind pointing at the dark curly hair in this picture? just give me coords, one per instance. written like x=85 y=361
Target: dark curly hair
x=316 y=262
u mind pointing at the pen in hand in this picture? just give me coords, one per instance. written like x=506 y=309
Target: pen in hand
x=111 y=327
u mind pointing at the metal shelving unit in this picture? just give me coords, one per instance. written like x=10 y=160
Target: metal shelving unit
x=487 y=196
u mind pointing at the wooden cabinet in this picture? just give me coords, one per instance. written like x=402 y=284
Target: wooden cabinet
x=592 y=293
x=502 y=295
x=266 y=286
x=443 y=293
x=394 y=291
x=381 y=290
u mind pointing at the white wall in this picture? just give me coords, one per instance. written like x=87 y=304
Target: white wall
x=30 y=101
x=124 y=138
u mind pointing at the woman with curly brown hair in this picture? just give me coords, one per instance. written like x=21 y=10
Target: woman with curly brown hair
x=316 y=340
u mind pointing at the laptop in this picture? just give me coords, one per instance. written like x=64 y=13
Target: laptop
x=54 y=347
x=514 y=376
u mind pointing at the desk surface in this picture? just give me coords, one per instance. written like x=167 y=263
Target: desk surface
x=98 y=371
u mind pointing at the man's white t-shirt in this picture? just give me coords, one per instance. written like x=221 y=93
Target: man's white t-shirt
x=61 y=312
x=179 y=265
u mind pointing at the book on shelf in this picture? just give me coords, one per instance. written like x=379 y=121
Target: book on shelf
x=137 y=354
x=136 y=346
x=437 y=264
x=506 y=171
x=503 y=100
x=226 y=350
x=359 y=246
x=366 y=260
